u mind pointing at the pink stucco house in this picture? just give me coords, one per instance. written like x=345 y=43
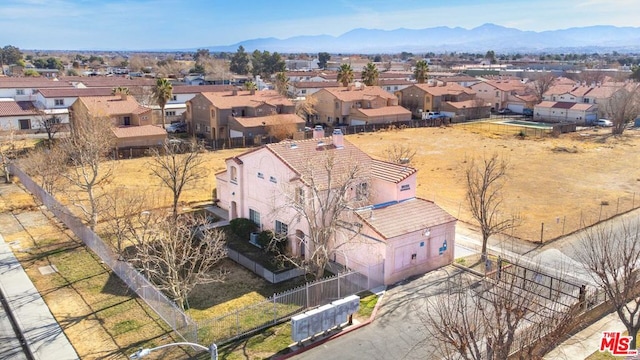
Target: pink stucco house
x=386 y=227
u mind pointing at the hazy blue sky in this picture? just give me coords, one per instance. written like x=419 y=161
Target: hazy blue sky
x=172 y=24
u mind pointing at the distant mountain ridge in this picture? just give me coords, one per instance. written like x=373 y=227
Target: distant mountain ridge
x=440 y=39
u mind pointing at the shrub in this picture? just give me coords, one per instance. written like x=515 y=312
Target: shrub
x=242 y=227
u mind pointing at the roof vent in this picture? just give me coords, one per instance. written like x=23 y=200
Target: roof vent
x=293 y=145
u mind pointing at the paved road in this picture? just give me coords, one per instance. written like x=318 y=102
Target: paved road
x=397 y=332
x=10 y=347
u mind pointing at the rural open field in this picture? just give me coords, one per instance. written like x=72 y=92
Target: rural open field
x=563 y=181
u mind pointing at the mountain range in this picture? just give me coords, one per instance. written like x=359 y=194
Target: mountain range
x=601 y=38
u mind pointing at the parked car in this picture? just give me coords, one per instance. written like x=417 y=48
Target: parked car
x=603 y=123
x=433 y=115
x=177 y=127
x=505 y=111
x=527 y=112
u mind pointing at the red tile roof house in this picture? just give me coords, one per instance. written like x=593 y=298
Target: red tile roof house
x=18 y=116
x=358 y=106
x=399 y=234
x=132 y=123
x=211 y=115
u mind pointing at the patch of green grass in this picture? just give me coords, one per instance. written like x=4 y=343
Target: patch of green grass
x=125 y=326
x=264 y=345
x=367 y=304
x=461 y=261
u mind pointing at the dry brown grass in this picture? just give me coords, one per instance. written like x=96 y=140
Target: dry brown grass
x=552 y=180
x=561 y=181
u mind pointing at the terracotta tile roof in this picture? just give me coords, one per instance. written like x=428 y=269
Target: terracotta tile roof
x=507 y=85
x=303 y=157
x=107 y=81
x=275 y=119
x=139 y=131
x=17 y=108
x=75 y=92
x=385 y=110
x=226 y=99
x=405 y=217
x=112 y=105
x=390 y=172
x=194 y=89
x=29 y=82
x=366 y=93
x=315 y=84
x=449 y=88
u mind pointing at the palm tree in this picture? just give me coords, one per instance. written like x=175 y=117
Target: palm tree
x=345 y=74
x=370 y=74
x=162 y=93
x=421 y=71
x=282 y=83
x=250 y=85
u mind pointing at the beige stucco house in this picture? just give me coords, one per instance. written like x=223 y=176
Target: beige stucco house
x=388 y=228
x=131 y=122
x=212 y=115
x=358 y=105
x=432 y=96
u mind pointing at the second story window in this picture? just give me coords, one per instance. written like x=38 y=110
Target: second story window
x=405 y=187
x=299 y=196
x=59 y=102
x=19 y=91
x=174 y=98
x=273 y=179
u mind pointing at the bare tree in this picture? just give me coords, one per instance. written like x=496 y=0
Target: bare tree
x=495 y=319
x=331 y=186
x=87 y=149
x=182 y=255
x=541 y=84
x=306 y=108
x=282 y=131
x=612 y=255
x=50 y=124
x=623 y=106
x=485 y=180
x=177 y=166
x=399 y=154
x=44 y=166
x=8 y=150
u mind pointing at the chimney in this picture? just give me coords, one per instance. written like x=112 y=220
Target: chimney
x=318 y=132
x=337 y=138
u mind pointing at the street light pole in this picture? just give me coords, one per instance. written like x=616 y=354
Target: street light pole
x=213 y=350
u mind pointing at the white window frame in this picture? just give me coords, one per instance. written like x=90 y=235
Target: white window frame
x=255 y=217
x=281 y=228
x=58 y=102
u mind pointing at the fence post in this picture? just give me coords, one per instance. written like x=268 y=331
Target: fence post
x=275 y=310
x=339 y=297
x=307 y=293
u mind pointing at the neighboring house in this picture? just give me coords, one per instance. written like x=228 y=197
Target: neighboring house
x=26 y=89
x=306 y=88
x=20 y=116
x=393 y=85
x=177 y=105
x=505 y=93
x=125 y=114
x=209 y=114
x=56 y=102
x=358 y=106
x=460 y=79
x=432 y=96
x=399 y=234
x=552 y=111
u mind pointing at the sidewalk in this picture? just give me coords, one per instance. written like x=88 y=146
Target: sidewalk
x=42 y=333
x=587 y=341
